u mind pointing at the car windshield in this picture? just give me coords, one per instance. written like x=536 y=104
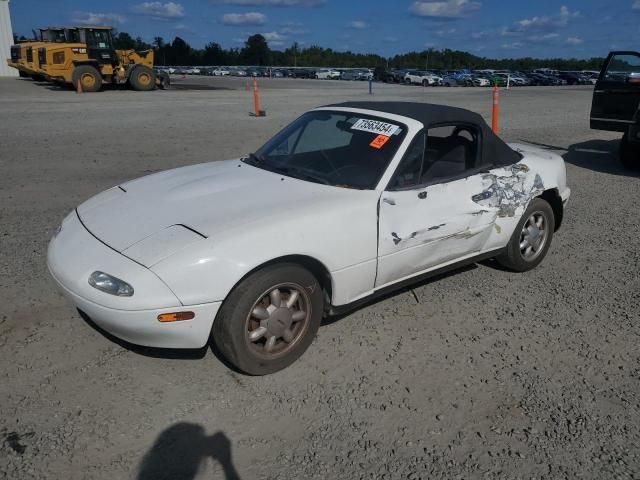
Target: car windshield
x=341 y=149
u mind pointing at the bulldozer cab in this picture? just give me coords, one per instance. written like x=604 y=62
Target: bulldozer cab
x=99 y=42
x=54 y=34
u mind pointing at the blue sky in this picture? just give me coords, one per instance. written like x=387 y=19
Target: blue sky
x=492 y=28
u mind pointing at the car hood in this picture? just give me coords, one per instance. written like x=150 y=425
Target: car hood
x=202 y=200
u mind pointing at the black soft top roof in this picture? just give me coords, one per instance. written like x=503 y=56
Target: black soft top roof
x=494 y=151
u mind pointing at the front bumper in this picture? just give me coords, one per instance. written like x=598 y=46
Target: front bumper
x=564 y=195
x=74 y=254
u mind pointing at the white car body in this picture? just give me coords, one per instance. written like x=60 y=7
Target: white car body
x=184 y=238
x=481 y=82
x=328 y=75
x=419 y=78
x=220 y=72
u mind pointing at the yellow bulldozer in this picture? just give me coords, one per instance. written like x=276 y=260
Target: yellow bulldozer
x=24 y=55
x=87 y=59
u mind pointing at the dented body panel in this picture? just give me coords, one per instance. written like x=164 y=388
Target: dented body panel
x=198 y=231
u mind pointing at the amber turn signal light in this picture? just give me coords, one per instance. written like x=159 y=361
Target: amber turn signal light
x=175 y=316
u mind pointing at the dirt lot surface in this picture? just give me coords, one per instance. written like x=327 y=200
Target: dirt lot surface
x=477 y=374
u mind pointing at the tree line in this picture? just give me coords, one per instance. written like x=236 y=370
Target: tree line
x=256 y=52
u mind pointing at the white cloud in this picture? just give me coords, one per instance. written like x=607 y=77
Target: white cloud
x=444 y=8
x=442 y=33
x=160 y=10
x=358 y=24
x=272 y=3
x=512 y=46
x=575 y=41
x=293 y=28
x=636 y=5
x=274 y=36
x=91 y=18
x=249 y=18
x=543 y=37
x=544 y=23
x=481 y=34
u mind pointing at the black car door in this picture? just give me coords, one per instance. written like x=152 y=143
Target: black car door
x=617 y=93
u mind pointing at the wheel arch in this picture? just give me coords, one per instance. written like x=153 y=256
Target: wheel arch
x=552 y=197
x=315 y=266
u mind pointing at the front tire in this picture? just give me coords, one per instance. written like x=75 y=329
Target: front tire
x=629 y=153
x=142 y=79
x=531 y=239
x=269 y=320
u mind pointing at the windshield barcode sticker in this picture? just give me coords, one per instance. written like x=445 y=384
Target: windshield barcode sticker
x=373 y=126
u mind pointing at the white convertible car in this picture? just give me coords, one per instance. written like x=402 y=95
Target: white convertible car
x=347 y=202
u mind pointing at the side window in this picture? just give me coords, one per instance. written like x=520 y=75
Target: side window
x=451 y=151
x=409 y=171
x=623 y=69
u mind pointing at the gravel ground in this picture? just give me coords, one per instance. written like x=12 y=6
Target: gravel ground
x=477 y=374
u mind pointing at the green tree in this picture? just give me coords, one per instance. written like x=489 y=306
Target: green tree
x=123 y=41
x=256 y=51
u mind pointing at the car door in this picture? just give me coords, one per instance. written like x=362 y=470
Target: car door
x=427 y=216
x=616 y=96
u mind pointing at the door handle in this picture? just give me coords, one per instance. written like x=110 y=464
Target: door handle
x=422 y=195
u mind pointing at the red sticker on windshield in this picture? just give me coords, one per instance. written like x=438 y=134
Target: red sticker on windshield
x=379 y=141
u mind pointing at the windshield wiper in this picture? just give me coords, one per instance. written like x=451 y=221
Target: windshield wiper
x=300 y=173
x=253 y=159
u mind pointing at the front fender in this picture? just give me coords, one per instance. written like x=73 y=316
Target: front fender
x=343 y=240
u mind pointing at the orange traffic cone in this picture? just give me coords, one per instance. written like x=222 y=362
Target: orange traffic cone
x=78 y=86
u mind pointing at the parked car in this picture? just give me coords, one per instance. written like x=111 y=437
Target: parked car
x=573 y=78
x=372 y=194
x=220 y=72
x=380 y=74
x=349 y=75
x=453 y=81
x=327 y=74
x=496 y=80
x=303 y=73
x=616 y=103
x=420 y=77
x=539 y=79
x=474 y=80
x=512 y=79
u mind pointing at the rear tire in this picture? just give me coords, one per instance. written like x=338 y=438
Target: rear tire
x=534 y=230
x=89 y=78
x=142 y=78
x=257 y=331
x=629 y=153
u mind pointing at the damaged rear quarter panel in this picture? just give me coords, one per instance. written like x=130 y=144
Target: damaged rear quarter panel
x=509 y=190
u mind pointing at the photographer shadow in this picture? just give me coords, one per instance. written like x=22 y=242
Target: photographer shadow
x=179 y=452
